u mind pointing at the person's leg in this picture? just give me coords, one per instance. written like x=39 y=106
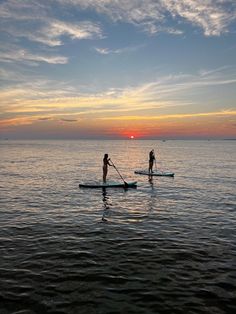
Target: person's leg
x=104 y=174
x=151 y=166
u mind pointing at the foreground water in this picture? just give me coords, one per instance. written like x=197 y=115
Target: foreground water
x=168 y=246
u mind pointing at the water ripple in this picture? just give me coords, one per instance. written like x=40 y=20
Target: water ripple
x=168 y=246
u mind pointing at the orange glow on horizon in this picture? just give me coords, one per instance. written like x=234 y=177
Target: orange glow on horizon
x=217 y=125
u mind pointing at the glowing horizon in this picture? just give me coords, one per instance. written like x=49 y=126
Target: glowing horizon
x=115 y=70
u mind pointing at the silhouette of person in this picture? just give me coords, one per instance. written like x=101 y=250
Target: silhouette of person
x=105 y=167
x=151 y=160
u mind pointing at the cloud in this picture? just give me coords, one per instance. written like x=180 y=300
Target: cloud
x=18 y=54
x=212 y=16
x=145 y=14
x=44 y=119
x=38 y=22
x=23 y=10
x=168 y=94
x=107 y=51
x=68 y=120
x=227 y=113
x=6 y=123
x=50 y=32
x=81 y=30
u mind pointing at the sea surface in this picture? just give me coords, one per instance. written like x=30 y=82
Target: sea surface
x=168 y=246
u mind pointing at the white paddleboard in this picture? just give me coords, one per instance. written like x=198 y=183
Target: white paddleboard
x=158 y=173
x=95 y=185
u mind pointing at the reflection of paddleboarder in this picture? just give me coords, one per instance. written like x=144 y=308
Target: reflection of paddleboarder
x=151 y=160
x=105 y=167
x=150 y=179
x=105 y=199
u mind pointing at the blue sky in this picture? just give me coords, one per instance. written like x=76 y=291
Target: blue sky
x=116 y=68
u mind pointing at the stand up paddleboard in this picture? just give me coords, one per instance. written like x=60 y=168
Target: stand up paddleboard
x=109 y=185
x=157 y=173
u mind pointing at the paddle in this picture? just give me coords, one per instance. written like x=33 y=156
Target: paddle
x=125 y=183
x=156 y=165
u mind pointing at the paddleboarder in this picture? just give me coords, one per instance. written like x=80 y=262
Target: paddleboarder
x=151 y=160
x=106 y=163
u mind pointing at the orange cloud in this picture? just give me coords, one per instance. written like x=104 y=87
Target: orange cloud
x=215 y=124
x=209 y=124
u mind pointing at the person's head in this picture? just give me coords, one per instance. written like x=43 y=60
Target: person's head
x=106 y=156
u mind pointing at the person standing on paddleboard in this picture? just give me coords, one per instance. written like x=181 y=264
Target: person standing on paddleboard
x=105 y=167
x=151 y=160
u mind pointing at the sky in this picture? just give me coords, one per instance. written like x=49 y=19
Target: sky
x=112 y=69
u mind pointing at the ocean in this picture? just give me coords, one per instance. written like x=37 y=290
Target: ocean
x=168 y=246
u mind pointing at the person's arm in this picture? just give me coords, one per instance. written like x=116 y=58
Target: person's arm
x=109 y=163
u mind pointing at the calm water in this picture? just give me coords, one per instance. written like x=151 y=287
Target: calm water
x=168 y=246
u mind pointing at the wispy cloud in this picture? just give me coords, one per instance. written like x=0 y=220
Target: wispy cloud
x=20 y=55
x=38 y=22
x=47 y=27
x=82 y=30
x=44 y=98
x=69 y=120
x=212 y=16
x=50 y=32
x=23 y=10
x=228 y=113
x=107 y=51
x=44 y=119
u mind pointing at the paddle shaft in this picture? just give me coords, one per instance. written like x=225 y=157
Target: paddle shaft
x=118 y=172
x=155 y=163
